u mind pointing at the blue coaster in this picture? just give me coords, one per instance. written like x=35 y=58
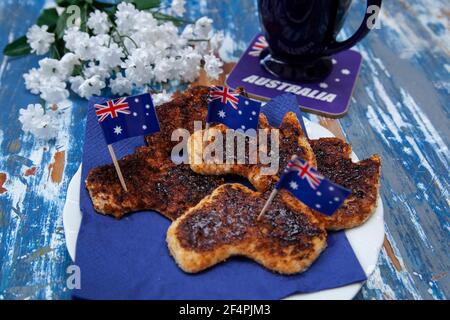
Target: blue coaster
x=330 y=97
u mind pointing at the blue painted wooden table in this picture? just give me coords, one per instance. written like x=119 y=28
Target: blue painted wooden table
x=400 y=110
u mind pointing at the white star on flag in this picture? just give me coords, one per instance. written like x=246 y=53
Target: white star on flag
x=222 y=114
x=293 y=185
x=117 y=130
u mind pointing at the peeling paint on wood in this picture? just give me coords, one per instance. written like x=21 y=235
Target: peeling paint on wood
x=56 y=168
x=14 y=146
x=3 y=178
x=390 y=253
x=30 y=172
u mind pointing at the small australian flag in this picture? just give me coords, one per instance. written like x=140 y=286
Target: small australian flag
x=310 y=187
x=126 y=117
x=228 y=107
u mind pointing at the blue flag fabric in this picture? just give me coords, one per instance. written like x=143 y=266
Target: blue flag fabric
x=233 y=110
x=125 y=117
x=311 y=188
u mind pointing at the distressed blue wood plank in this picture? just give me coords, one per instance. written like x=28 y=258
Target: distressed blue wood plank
x=401 y=104
x=33 y=257
x=400 y=110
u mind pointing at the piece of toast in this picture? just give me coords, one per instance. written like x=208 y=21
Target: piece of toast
x=153 y=184
x=287 y=239
x=290 y=141
x=180 y=113
x=333 y=157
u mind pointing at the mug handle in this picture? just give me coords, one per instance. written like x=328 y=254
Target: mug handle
x=372 y=12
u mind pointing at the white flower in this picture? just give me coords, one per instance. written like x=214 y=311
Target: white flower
x=73 y=36
x=76 y=82
x=188 y=32
x=68 y=63
x=163 y=69
x=84 y=49
x=178 y=7
x=110 y=57
x=39 y=39
x=98 y=22
x=144 y=20
x=202 y=47
x=51 y=68
x=100 y=40
x=91 y=87
x=138 y=67
x=54 y=91
x=120 y=85
x=160 y=98
x=213 y=66
x=33 y=80
x=125 y=18
x=190 y=64
x=203 y=27
x=36 y=121
x=94 y=69
x=138 y=51
x=216 y=40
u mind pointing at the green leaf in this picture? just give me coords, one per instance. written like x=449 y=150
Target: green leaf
x=57 y=50
x=66 y=3
x=103 y=5
x=164 y=17
x=146 y=4
x=17 y=48
x=61 y=25
x=54 y=53
x=77 y=71
x=48 y=17
x=84 y=18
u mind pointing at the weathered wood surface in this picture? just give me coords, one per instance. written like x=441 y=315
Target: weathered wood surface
x=400 y=110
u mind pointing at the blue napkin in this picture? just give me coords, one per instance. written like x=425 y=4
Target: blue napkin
x=129 y=258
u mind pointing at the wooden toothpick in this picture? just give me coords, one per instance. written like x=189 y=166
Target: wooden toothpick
x=116 y=165
x=272 y=196
x=268 y=202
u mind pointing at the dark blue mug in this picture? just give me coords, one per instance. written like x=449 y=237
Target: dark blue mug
x=302 y=35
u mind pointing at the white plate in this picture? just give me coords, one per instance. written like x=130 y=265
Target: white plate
x=365 y=240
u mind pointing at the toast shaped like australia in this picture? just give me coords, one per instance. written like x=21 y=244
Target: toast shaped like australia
x=287 y=239
x=152 y=184
x=334 y=161
x=290 y=140
x=153 y=181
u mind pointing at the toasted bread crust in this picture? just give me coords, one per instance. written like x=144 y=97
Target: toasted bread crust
x=287 y=239
x=362 y=178
x=181 y=112
x=292 y=141
x=153 y=184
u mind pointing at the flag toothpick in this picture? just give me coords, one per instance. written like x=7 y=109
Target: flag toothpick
x=116 y=165
x=124 y=118
x=268 y=202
